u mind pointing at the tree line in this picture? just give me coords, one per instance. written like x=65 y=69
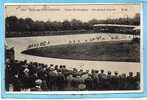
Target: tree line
x=14 y=24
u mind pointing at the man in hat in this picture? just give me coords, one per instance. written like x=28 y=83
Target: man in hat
x=131 y=81
x=102 y=78
x=38 y=85
x=89 y=82
x=109 y=81
x=51 y=79
x=95 y=79
x=137 y=80
x=25 y=78
x=60 y=81
x=115 y=81
x=123 y=82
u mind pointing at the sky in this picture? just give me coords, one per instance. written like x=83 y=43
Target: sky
x=61 y=12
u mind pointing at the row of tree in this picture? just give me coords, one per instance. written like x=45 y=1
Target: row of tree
x=14 y=24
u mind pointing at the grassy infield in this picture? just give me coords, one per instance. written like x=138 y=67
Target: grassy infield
x=99 y=51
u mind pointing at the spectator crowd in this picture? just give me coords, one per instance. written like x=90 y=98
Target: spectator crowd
x=33 y=76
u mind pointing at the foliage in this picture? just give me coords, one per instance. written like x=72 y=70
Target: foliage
x=27 y=25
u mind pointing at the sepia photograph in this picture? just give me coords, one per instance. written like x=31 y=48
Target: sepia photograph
x=76 y=48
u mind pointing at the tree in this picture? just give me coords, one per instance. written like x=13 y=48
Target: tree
x=136 y=19
x=93 y=21
x=28 y=24
x=76 y=24
x=11 y=23
x=66 y=25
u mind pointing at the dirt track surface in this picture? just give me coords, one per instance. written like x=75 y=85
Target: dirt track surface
x=21 y=44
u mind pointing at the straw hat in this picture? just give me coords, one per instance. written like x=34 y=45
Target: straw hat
x=38 y=81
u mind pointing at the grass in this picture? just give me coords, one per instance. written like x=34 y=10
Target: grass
x=127 y=51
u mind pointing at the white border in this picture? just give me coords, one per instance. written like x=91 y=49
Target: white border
x=91 y=92
x=141 y=48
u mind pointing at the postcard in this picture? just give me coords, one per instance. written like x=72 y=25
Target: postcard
x=73 y=48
